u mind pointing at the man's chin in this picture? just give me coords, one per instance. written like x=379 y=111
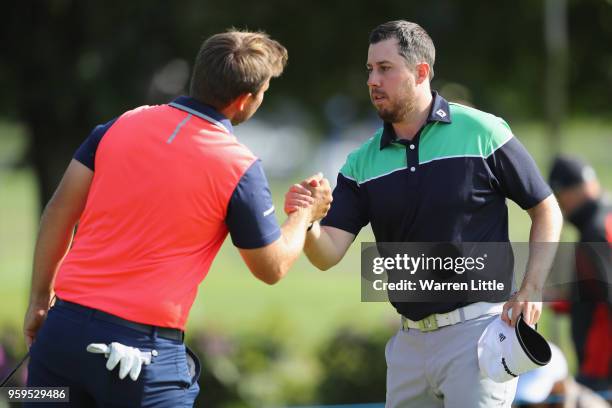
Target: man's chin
x=387 y=116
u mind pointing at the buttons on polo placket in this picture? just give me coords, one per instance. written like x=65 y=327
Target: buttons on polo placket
x=412 y=161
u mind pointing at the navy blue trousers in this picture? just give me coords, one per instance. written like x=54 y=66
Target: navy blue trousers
x=58 y=358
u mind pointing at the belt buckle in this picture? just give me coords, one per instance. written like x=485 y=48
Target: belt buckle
x=430 y=323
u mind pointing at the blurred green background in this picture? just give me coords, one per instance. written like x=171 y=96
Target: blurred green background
x=70 y=65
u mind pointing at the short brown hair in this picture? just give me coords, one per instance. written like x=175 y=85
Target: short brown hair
x=415 y=45
x=234 y=63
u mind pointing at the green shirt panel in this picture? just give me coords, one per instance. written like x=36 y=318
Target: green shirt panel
x=472 y=133
x=368 y=161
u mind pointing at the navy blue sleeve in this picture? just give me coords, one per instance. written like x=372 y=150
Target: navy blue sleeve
x=250 y=213
x=517 y=176
x=349 y=210
x=86 y=153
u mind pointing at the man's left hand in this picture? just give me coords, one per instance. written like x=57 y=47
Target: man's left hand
x=526 y=302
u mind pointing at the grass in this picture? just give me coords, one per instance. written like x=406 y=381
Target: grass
x=308 y=303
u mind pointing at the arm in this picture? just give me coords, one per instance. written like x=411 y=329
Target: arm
x=546 y=223
x=270 y=263
x=326 y=246
x=55 y=234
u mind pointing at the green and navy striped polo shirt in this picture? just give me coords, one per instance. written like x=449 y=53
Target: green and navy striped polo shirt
x=448 y=184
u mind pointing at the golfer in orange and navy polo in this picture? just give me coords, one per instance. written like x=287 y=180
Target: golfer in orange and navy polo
x=155 y=193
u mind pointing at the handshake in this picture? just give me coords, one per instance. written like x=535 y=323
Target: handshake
x=312 y=194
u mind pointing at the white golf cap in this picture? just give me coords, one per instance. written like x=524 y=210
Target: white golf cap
x=505 y=352
x=535 y=386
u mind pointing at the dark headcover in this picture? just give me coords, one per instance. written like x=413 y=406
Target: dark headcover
x=569 y=171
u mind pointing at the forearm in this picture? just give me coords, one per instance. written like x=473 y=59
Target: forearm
x=323 y=250
x=54 y=237
x=293 y=235
x=544 y=236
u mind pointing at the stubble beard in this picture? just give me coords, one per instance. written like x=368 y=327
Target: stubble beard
x=400 y=108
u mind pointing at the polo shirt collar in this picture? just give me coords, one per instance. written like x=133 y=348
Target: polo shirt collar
x=438 y=112
x=203 y=111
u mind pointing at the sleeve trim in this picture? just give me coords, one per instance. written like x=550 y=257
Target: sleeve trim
x=260 y=242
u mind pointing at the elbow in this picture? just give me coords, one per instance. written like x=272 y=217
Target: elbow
x=270 y=281
x=273 y=275
x=323 y=265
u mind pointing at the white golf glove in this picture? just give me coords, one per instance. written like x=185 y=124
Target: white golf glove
x=130 y=359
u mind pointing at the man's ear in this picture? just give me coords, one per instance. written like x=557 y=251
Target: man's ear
x=422 y=72
x=240 y=102
x=237 y=105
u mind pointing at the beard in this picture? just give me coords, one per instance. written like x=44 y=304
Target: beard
x=399 y=108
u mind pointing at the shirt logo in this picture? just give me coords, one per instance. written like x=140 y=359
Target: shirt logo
x=268 y=211
x=501 y=337
x=441 y=113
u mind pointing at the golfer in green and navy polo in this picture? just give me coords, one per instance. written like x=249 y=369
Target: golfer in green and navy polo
x=435 y=172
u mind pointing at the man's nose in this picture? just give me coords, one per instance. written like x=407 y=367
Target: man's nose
x=373 y=80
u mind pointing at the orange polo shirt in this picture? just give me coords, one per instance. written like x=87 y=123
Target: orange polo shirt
x=165 y=180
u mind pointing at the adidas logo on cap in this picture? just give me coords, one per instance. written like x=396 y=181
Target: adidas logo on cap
x=505 y=352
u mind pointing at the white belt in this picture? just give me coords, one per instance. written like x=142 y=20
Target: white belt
x=469 y=312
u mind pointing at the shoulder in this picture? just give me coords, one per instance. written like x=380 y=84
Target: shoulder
x=155 y=114
x=367 y=147
x=239 y=155
x=487 y=130
x=353 y=168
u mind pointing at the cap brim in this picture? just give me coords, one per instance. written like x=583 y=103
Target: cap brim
x=534 y=345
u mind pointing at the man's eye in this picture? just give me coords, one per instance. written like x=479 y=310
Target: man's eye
x=384 y=68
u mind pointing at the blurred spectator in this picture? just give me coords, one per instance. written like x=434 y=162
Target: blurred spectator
x=583 y=204
x=551 y=387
